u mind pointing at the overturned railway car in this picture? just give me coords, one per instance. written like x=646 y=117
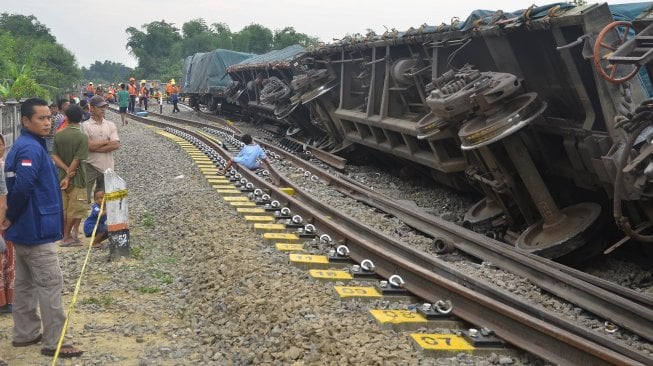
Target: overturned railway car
x=205 y=79
x=524 y=107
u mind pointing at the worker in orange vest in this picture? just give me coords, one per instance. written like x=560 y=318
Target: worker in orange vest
x=131 y=88
x=111 y=93
x=90 y=91
x=168 y=91
x=144 y=95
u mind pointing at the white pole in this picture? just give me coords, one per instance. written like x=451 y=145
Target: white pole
x=117 y=214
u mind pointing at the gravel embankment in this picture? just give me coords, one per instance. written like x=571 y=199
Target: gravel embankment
x=201 y=288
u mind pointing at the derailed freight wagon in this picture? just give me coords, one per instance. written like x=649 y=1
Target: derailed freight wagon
x=512 y=104
x=205 y=78
x=262 y=86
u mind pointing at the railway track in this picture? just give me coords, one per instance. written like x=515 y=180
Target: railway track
x=515 y=321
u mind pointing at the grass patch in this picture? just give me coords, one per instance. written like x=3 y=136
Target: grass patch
x=148 y=220
x=162 y=276
x=103 y=300
x=171 y=259
x=136 y=253
x=149 y=290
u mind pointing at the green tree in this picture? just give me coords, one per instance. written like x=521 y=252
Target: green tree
x=54 y=65
x=106 y=72
x=32 y=61
x=25 y=26
x=19 y=83
x=288 y=36
x=254 y=38
x=7 y=47
x=153 y=48
x=197 y=38
x=225 y=38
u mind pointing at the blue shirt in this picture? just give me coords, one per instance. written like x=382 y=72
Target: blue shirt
x=89 y=224
x=34 y=199
x=248 y=155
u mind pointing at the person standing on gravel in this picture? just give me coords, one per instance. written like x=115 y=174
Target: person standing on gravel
x=123 y=103
x=69 y=152
x=102 y=142
x=144 y=95
x=34 y=222
x=175 y=99
x=132 y=88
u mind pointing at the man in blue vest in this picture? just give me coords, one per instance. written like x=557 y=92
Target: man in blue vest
x=34 y=222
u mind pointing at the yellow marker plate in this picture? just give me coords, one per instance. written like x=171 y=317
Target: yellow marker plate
x=224 y=186
x=329 y=274
x=290 y=238
x=441 y=342
x=357 y=291
x=228 y=192
x=288 y=191
x=397 y=316
x=308 y=258
x=266 y=228
x=288 y=247
x=242 y=204
x=250 y=210
x=206 y=166
x=218 y=180
x=252 y=218
x=236 y=199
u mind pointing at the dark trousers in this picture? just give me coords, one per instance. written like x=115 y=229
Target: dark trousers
x=132 y=103
x=174 y=107
x=144 y=100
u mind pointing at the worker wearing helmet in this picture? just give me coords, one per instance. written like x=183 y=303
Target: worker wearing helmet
x=144 y=95
x=90 y=90
x=132 y=89
x=111 y=93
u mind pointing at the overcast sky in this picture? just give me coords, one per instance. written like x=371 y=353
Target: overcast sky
x=96 y=31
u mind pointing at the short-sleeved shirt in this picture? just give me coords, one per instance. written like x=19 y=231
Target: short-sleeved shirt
x=123 y=98
x=248 y=155
x=69 y=144
x=102 y=131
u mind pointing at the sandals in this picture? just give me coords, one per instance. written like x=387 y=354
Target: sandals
x=72 y=243
x=27 y=343
x=66 y=351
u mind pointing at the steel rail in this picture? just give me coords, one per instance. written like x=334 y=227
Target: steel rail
x=432 y=280
x=523 y=330
x=623 y=306
x=429 y=225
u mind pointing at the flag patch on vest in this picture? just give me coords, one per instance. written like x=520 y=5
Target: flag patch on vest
x=26 y=162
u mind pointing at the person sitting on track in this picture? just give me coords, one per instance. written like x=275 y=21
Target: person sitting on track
x=248 y=156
